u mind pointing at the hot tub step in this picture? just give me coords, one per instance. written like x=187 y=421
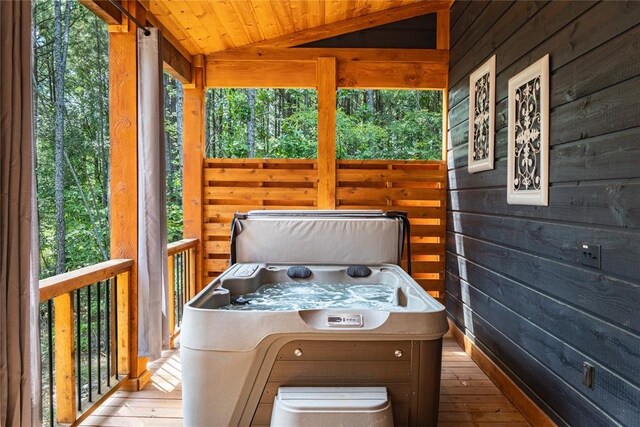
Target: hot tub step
x=320 y=406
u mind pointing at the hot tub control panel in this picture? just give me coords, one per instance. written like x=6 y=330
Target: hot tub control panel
x=345 y=320
x=246 y=270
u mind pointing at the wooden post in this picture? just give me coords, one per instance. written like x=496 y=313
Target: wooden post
x=171 y=297
x=326 y=75
x=123 y=343
x=123 y=119
x=442 y=35
x=65 y=359
x=442 y=43
x=193 y=152
x=193 y=273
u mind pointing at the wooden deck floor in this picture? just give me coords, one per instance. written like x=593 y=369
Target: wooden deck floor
x=468 y=398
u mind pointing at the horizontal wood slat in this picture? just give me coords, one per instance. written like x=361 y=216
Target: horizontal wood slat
x=417 y=187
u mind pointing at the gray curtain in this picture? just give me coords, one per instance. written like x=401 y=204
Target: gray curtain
x=153 y=330
x=18 y=284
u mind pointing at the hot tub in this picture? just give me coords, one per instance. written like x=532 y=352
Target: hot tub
x=261 y=325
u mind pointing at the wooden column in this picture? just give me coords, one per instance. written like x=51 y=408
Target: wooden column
x=326 y=76
x=123 y=119
x=193 y=152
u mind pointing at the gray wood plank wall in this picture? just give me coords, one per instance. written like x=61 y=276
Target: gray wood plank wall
x=514 y=281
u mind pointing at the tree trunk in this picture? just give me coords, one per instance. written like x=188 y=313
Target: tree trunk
x=369 y=94
x=251 y=125
x=179 y=133
x=60 y=44
x=168 y=154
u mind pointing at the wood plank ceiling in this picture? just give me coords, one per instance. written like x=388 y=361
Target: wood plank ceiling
x=204 y=27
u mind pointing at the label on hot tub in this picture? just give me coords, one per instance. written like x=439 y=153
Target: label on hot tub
x=345 y=320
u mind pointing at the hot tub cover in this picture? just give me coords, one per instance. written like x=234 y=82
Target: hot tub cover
x=329 y=237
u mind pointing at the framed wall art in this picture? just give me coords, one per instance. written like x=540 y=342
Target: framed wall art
x=528 y=155
x=482 y=104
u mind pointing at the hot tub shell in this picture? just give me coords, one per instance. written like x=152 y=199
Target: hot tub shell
x=234 y=361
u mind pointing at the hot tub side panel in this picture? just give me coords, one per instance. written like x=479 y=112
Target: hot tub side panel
x=409 y=369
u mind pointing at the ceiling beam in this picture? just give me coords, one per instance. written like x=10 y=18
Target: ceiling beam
x=355 y=24
x=104 y=10
x=303 y=74
x=430 y=56
x=175 y=63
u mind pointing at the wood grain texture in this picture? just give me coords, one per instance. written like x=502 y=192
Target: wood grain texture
x=343 y=26
x=65 y=360
x=61 y=284
x=204 y=27
x=272 y=74
x=175 y=63
x=193 y=153
x=380 y=75
x=442 y=37
x=435 y=56
x=123 y=119
x=327 y=81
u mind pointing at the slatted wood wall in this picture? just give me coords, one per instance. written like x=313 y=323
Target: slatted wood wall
x=417 y=187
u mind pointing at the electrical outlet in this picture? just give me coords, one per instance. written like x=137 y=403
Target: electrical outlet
x=587 y=374
x=589 y=255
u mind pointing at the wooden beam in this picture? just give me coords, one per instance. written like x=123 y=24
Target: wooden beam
x=429 y=56
x=326 y=133
x=123 y=128
x=65 y=359
x=379 y=75
x=104 y=10
x=274 y=74
x=355 y=24
x=351 y=74
x=193 y=154
x=175 y=63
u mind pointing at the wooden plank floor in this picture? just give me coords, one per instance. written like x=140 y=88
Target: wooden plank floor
x=468 y=398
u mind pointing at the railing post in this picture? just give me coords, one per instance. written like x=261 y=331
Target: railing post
x=192 y=271
x=122 y=322
x=171 y=298
x=64 y=359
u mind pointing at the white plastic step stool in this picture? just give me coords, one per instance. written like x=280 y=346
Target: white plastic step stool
x=332 y=406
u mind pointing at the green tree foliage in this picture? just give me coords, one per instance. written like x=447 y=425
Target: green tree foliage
x=285 y=123
x=391 y=124
x=173 y=140
x=86 y=145
x=370 y=124
x=86 y=140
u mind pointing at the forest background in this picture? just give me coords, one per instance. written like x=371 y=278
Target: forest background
x=71 y=82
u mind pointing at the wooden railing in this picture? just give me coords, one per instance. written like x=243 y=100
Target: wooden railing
x=84 y=338
x=182 y=280
x=415 y=186
x=85 y=330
